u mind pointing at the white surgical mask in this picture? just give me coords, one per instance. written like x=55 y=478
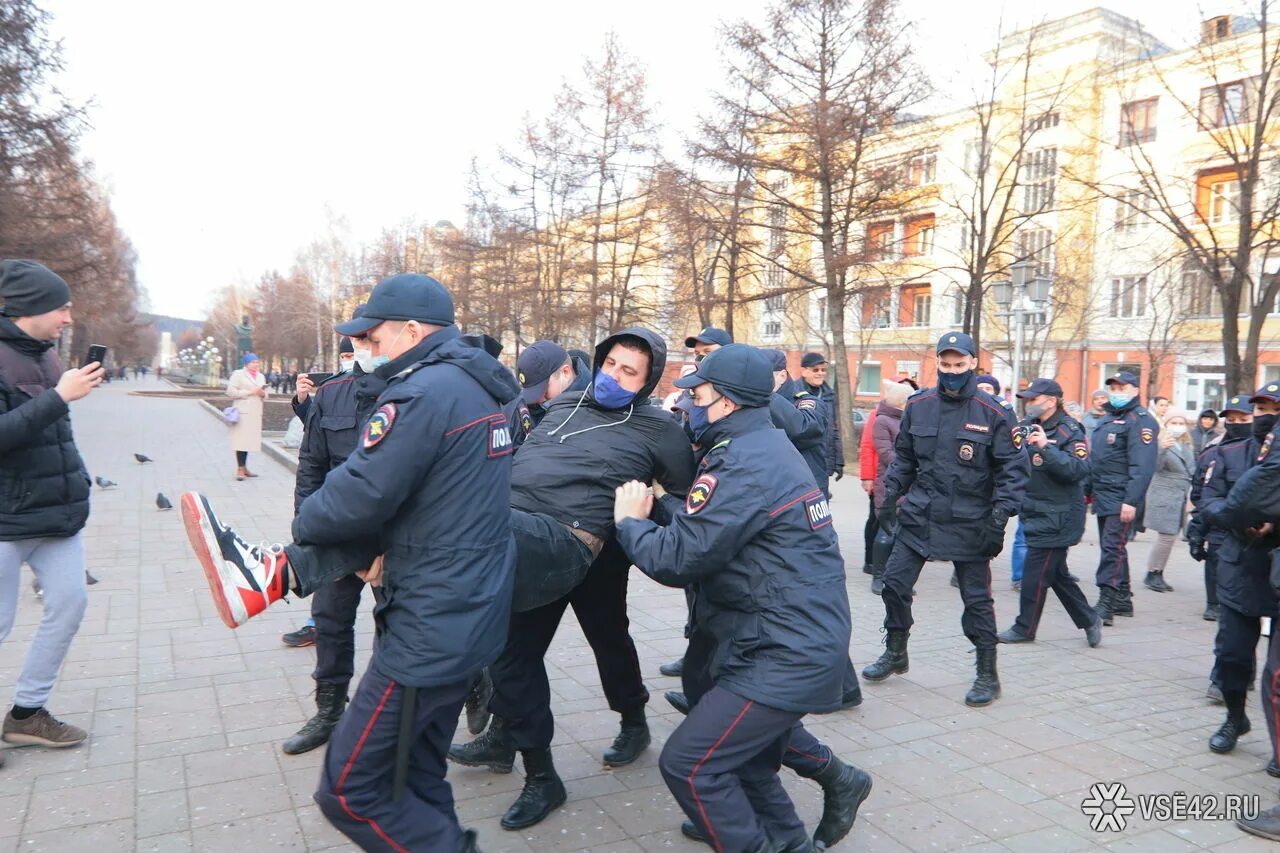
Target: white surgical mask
x=1176 y=430
x=364 y=358
x=347 y=364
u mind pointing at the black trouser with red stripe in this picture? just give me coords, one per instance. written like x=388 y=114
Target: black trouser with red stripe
x=521 y=692
x=1113 y=541
x=356 y=784
x=721 y=765
x=1046 y=569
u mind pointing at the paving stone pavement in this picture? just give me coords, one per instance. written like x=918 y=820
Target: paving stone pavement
x=187 y=717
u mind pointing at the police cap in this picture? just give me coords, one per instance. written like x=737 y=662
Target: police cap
x=535 y=365
x=740 y=372
x=1041 y=386
x=1270 y=391
x=408 y=296
x=1242 y=405
x=709 y=335
x=957 y=342
x=1124 y=377
x=776 y=357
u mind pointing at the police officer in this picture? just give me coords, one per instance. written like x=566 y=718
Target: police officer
x=545 y=371
x=336 y=412
x=753 y=527
x=1053 y=512
x=803 y=416
x=1233 y=502
x=1204 y=541
x=1123 y=452
x=446 y=565
x=813 y=372
x=960 y=474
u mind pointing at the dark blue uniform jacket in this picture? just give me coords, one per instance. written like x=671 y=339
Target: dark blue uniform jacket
x=524 y=417
x=337 y=413
x=1245 y=495
x=431 y=478
x=805 y=418
x=1053 y=513
x=956 y=461
x=756 y=537
x=1123 y=450
x=578 y=455
x=835 y=447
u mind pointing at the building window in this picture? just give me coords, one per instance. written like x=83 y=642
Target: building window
x=1036 y=245
x=918 y=236
x=820 y=313
x=879 y=241
x=775 y=277
x=1044 y=121
x=977 y=156
x=1200 y=297
x=772 y=330
x=1229 y=103
x=957 y=308
x=921 y=306
x=869 y=379
x=877 y=308
x=1218 y=196
x=1215 y=28
x=1131 y=209
x=1039 y=170
x=1129 y=296
x=777 y=229
x=922 y=169
x=773 y=304
x=1138 y=121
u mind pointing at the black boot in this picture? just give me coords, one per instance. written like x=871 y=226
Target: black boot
x=1014 y=635
x=852 y=698
x=469 y=842
x=632 y=739
x=331 y=699
x=844 y=787
x=1106 y=599
x=543 y=791
x=678 y=700
x=1224 y=739
x=688 y=830
x=986 y=687
x=477 y=703
x=877 y=584
x=1211 y=613
x=493 y=749
x=894 y=660
x=673 y=669
x=1122 y=602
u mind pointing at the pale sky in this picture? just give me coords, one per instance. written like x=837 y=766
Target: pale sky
x=226 y=132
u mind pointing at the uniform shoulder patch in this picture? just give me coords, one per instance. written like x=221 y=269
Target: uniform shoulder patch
x=1208 y=471
x=1017 y=433
x=526 y=418
x=806 y=403
x=1080 y=449
x=817 y=510
x=1147 y=434
x=700 y=493
x=379 y=426
x=500 y=443
x=1266 y=446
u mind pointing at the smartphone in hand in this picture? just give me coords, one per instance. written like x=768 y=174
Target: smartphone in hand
x=97 y=353
x=319 y=378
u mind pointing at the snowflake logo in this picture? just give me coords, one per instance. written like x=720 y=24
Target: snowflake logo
x=1107 y=806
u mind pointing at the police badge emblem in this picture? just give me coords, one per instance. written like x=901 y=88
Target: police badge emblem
x=379 y=425
x=1266 y=446
x=966 y=451
x=1111 y=438
x=1147 y=434
x=1037 y=460
x=700 y=493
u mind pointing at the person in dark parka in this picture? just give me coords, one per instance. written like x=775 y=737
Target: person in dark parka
x=960 y=475
x=813 y=373
x=752 y=524
x=1053 y=513
x=1245 y=592
x=803 y=416
x=446 y=566
x=1123 y=451
x=1204 y=540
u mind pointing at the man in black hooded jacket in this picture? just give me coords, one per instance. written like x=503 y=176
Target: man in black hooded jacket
x=586 y=445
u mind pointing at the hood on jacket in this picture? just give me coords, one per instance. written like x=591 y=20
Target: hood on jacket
x=449 y=345
x=20 y=340
x=657 y=359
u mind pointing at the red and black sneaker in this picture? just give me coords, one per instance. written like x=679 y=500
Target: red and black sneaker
x=244 y=580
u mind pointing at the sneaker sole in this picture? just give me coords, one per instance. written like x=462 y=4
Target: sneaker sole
x=205 y=544
x=493 y=767
x=32 y=740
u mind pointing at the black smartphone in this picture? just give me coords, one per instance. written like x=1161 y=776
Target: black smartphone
x=97 y=353
x=319 y=378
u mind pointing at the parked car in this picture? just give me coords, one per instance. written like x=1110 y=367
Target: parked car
x=860 y=418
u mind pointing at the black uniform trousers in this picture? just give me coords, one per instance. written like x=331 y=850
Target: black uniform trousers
x=1271 y=691
x=1113 y=564
x=900 y=576
x=356 y=785
x=1046 y=569
x=1236 y=647
x=521 y=692
x=721 y=764
x=869 y=533
x=1211 y=578
x=333 y=608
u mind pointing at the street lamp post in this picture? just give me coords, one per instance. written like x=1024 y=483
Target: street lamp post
x=1021 y=297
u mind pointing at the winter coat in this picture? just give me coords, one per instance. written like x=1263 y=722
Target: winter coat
x=884 y=434
x=1122 y=449
x=246 y=435
x=755 y=537
x=1167 y=494
x=805 y=418
x=44 y=488
x=337 y=413
x=835 y=446
x=1243 y=491
x=1053 y=514
x=867 y=464
x=430 y=478
x=1202 y=438
x=574 y=459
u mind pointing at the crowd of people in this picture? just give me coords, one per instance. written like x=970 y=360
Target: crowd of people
x=725 y=493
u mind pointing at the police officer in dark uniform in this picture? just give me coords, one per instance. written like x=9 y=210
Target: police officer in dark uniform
x=446 y=566
x=1053 y=512
x=1232 y=502
x=753 y=525
x=803 y=416
x=813 y=373
x=545 y=371
x=335 y=412
x=960 y=474
x=1123 y=452
x=1204 y=541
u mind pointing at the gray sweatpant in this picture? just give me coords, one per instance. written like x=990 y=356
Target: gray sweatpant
x=59 y=566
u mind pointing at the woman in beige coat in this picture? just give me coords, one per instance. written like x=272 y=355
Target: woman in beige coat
x=247 y=390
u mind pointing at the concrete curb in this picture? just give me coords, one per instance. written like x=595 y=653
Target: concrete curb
x=269 y=449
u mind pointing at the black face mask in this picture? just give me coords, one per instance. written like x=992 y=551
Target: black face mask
x=954 y=382
x=1263 y=424
x=1235 y=431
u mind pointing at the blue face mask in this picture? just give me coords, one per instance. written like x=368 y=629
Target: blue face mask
x=698 y=422
x=954 y=381
x=377 y=361
x=1118 y=400
x=609 y=393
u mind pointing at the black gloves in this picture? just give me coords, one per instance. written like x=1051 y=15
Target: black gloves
x=993 y=534
x=1198 y=550
x=887 y=515
x=839 y=474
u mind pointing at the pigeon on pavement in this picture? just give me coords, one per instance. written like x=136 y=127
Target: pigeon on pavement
x=89 y=579
x=104 y=482
x=142 y=460
x=162 y=502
